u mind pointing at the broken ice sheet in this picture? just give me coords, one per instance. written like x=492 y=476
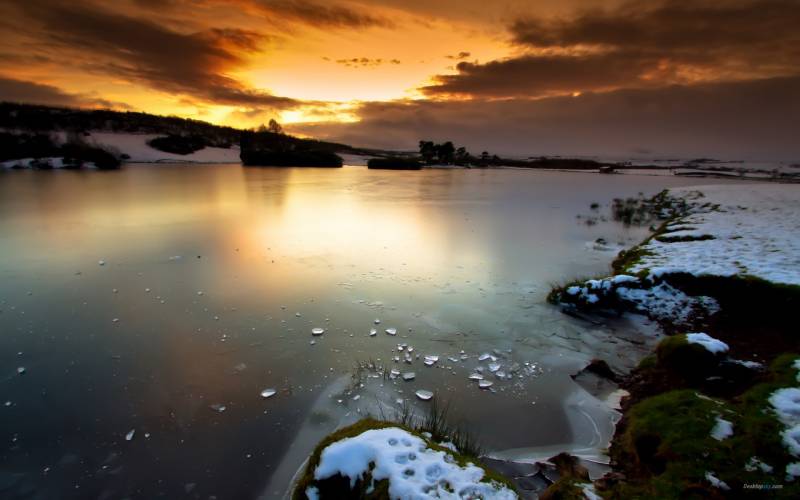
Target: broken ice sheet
x=424 y=395
x=430 y=360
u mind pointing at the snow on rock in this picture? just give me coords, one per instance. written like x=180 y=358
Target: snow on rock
x=413 y=469
x=755 y=231
x=658 y=300
x=711 y=344
x=723 y=429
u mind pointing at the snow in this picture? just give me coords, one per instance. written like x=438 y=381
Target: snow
x=756 y=231
x=715 y=482
x=710 y=343
x=135 y=146
x=412 y=468
x=786 y=406
x=786 y=403
x=754 y=463
x=355 y=160
x=792 y=471
x=588 y=491
x=723 y=429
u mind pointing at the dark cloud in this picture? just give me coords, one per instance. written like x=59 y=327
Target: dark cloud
x=532 y=76
x=744 y=120
x=12 y=90
x=640 y=44
x=185 y=63
x=325 y=14
x=459 y=56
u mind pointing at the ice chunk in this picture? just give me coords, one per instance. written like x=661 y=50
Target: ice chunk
x=218 y=407
x=391 y=331
x=377 y=321
x=373 y=332
x=485 y=384
x=21 y=370
x=493 y=367
x=101 y=262
x=476 y=376
x=430 y=360
x=317 y=331
x=409 y=376
x=424 y=395
x=130 y=434
x=268 y=393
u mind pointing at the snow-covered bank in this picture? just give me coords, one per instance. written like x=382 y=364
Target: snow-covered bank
x=730 y=230
x=136 y=147
x=744 y=231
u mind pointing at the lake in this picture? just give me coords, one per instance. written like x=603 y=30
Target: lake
x=164 y=299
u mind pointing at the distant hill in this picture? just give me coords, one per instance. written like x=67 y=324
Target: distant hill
x=37 y=119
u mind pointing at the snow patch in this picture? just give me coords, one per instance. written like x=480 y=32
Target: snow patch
x=710 y=343
x=723 y=429
x=413 y=469
x=716 y=482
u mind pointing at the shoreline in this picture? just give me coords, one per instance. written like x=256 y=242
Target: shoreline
x=750 y=317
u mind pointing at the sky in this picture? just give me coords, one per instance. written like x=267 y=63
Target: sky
x=655 y=78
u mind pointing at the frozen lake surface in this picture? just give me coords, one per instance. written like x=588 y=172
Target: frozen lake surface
x=167 y=330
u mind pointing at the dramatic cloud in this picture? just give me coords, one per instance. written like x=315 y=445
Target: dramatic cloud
x=640 y=45
x=28 y=92
x=741 y=120
x=195 y=64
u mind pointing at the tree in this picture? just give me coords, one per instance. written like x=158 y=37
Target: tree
x=275 y=127
x=461 y=155
x=427 y=149
x=445 y=152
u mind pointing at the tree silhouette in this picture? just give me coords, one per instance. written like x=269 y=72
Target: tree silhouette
x=275 y=127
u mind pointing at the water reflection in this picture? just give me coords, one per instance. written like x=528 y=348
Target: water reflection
x=455 y=260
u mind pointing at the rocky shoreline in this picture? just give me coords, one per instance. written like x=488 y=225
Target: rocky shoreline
x=713 y=412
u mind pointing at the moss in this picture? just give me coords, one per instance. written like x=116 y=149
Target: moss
x=566 y=488
x=667 y=441
x=665 y=448
x=334 y=487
